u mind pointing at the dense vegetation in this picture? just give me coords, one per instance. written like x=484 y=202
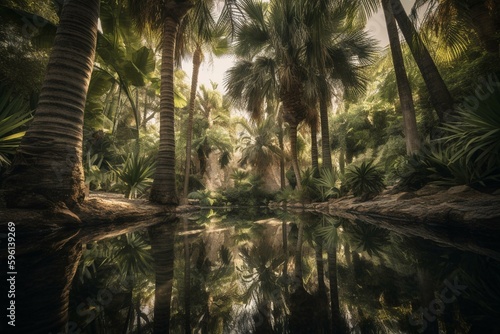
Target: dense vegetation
x=311 y=108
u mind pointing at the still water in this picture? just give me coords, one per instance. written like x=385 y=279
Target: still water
x=257 y=272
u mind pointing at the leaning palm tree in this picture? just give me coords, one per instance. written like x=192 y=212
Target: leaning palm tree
x=404 y=89
x=47 y=168
x=439 y=94
x=164 y=17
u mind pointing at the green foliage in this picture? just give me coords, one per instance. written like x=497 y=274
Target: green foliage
x=239 y=176
x=285 y=195
x=207 y=197
x=475 y=136
x=309 y=191
x=247 y=189
x=469 y=154
x=438 y=165
x=364 y=180
x=95 y=176
x=14 y=114
x=328 y=184
x=134 y=175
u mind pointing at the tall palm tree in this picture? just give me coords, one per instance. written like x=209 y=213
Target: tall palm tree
x=337 y=50
x=202 y=30
x=269 y=44
x=439 y=95
x=47 y=168
x=404 y=89
x=164 y=17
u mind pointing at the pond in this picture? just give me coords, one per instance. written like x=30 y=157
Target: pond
x=253 y=272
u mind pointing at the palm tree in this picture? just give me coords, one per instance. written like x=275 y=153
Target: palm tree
x=439 y=95
x=269 y=44
x=212 y=128
x=164 y=17
x=259 y=147
x=404 y=89
x=337 y=51
x=202 y=27
x=47 y=168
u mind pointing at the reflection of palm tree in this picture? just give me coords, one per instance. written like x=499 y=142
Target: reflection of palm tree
x=162 y=247
x=260 y=272
x=123 y=265
x=187 y=278
x=43 y=286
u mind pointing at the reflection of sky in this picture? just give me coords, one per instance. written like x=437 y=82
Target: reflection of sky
x=213 y=69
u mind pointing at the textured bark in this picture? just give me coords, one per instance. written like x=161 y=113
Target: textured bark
x=294 y=112
x=47 y=168
x=326 y=152
x=295 y=160
x=162 y=247
x=282 y=148
x=438 y=92
x=189 y=131
x=314 y=147
x=404 y=89
x=163 y=190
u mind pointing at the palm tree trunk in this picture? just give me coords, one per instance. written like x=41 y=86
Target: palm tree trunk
x=282 y=149
x=295 y=159
x=438 y=92
x=189 y=134
x=163 y=190
x=326 y=153
x=404 y=89
x=48 y=167
x=314 y=147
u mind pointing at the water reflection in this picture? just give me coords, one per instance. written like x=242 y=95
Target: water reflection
x=223 y=272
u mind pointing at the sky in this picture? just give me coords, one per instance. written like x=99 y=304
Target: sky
x=213 y=70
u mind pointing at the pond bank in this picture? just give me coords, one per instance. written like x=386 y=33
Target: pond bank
x=459 y=206
x=459 y=217
x=458 y=210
